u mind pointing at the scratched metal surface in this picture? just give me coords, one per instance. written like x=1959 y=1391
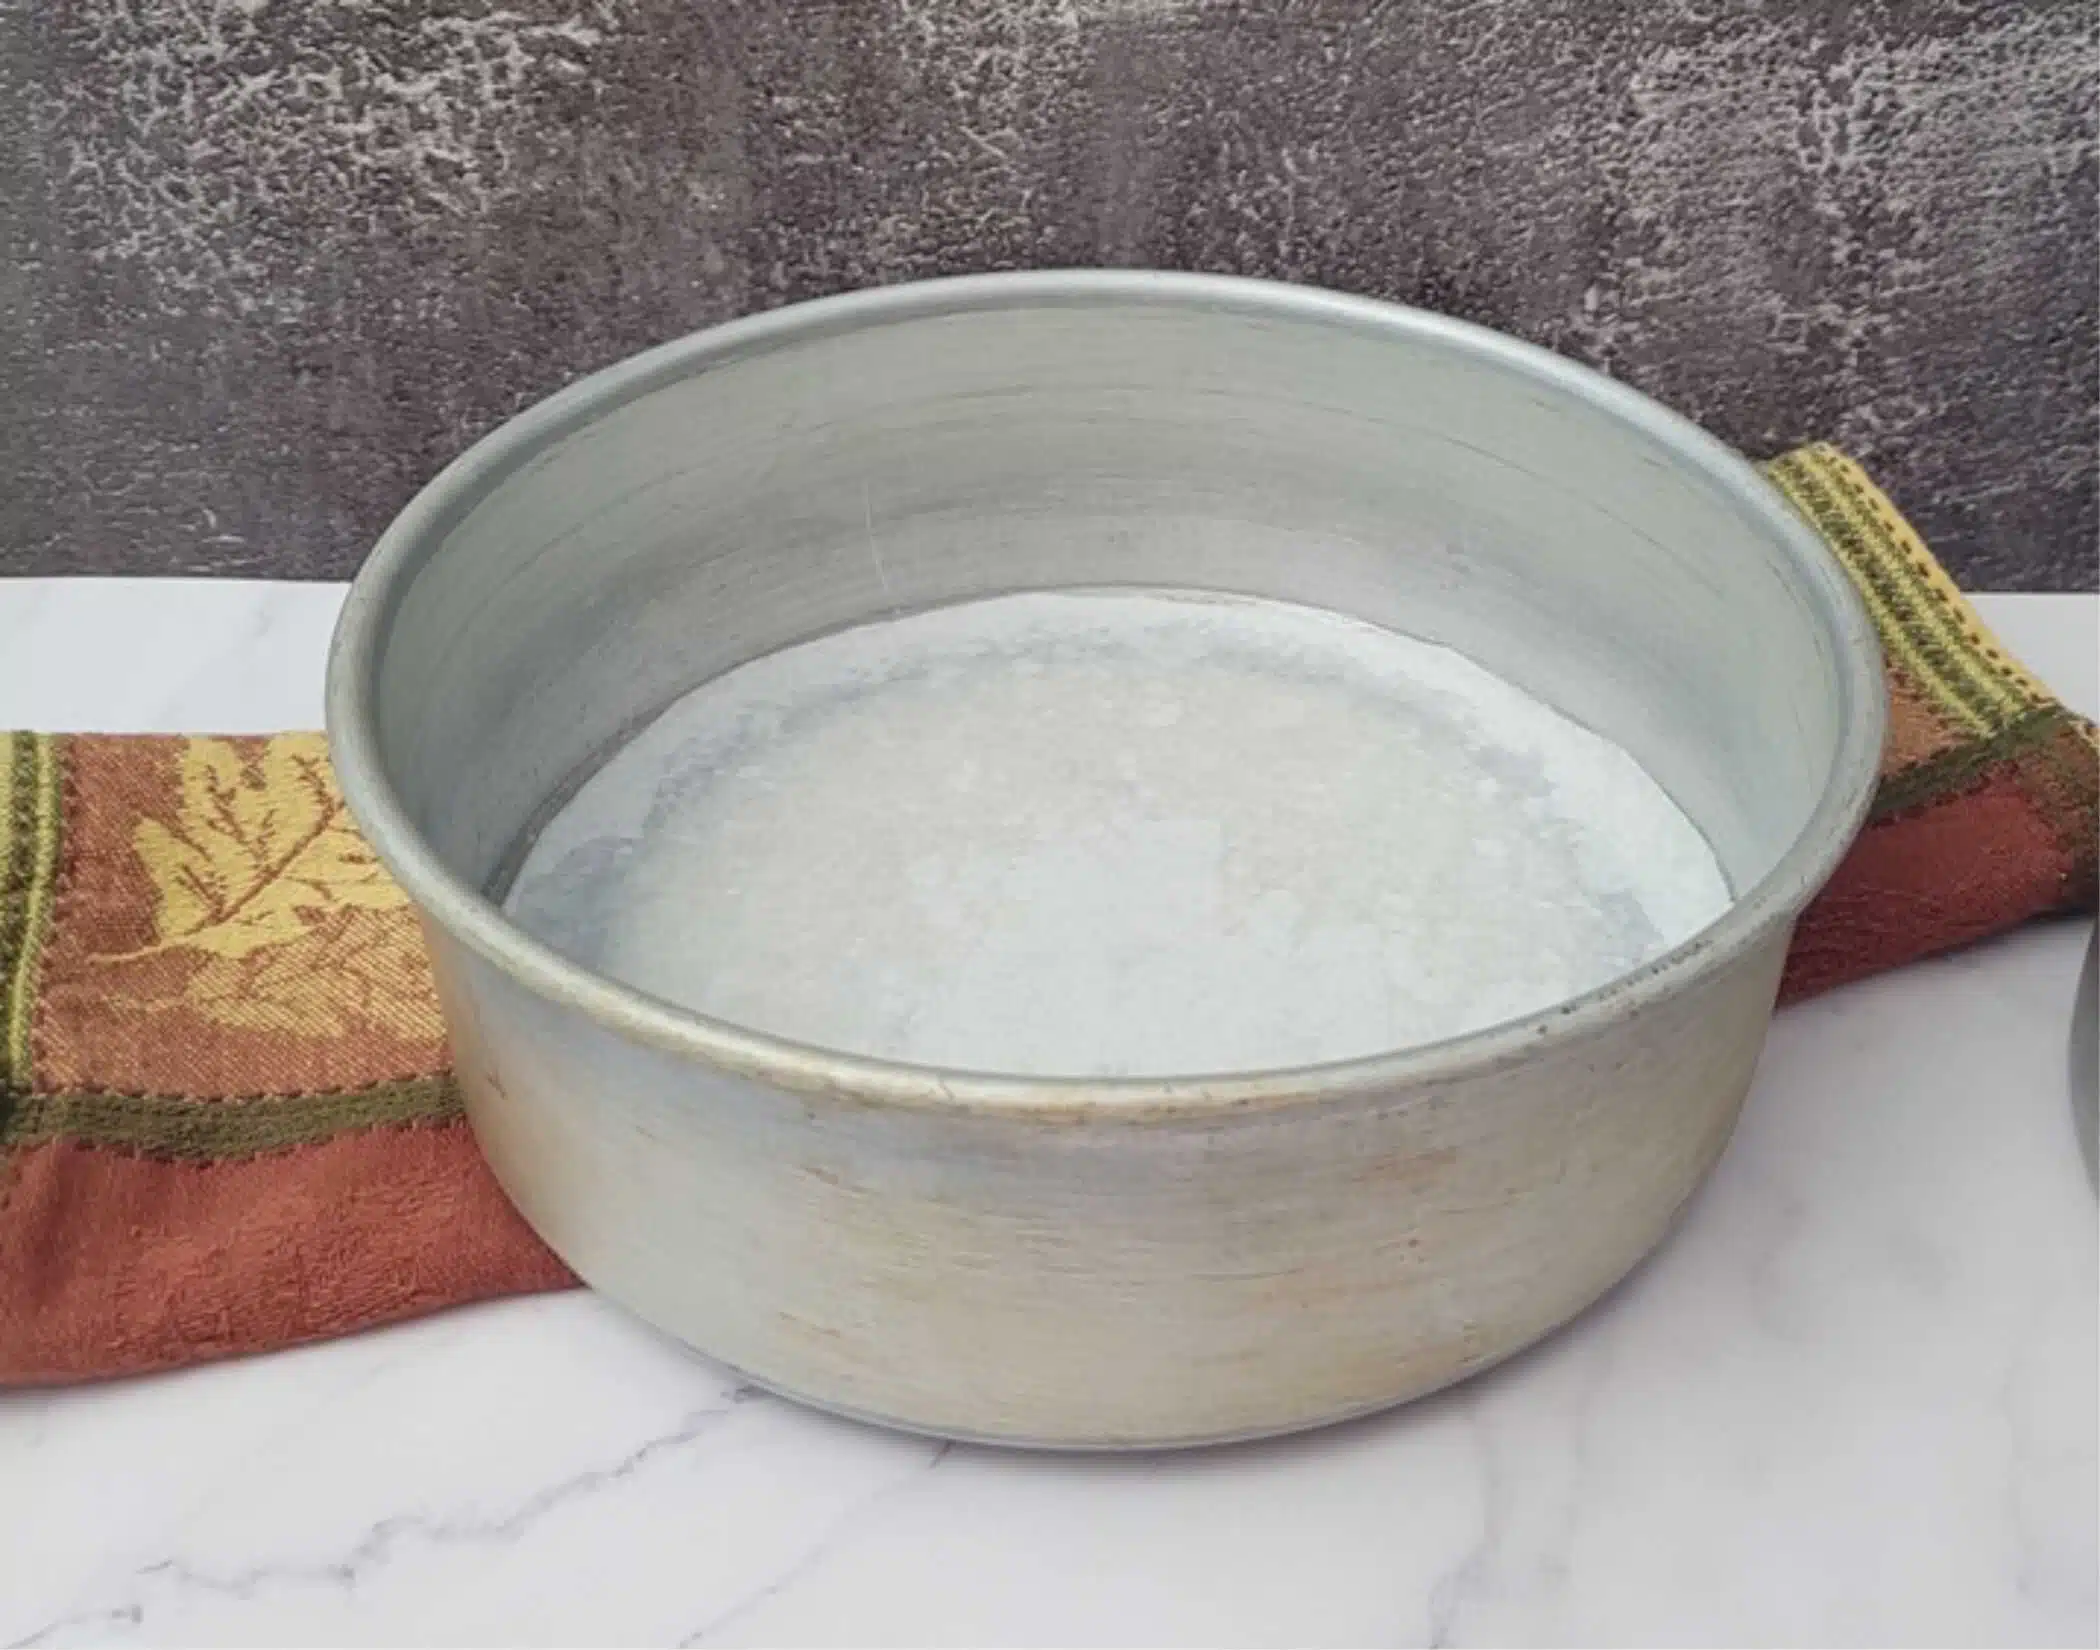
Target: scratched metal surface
x=264 y=266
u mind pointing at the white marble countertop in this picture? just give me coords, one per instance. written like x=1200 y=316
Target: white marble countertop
x=1851 y=1401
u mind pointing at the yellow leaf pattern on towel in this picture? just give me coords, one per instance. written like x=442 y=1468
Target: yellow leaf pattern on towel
x=263 y=881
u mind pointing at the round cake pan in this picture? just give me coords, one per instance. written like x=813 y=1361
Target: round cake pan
x=1126 y=1262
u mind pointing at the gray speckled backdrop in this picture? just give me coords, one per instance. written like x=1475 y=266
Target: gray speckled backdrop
x=265 y=264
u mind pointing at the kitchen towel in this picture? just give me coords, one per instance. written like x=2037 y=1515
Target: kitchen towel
x=226 y=1122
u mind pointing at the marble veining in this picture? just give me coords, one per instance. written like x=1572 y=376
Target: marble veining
x=1850 y=1401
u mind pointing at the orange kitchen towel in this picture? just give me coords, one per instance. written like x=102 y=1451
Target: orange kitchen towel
x=226 y=1122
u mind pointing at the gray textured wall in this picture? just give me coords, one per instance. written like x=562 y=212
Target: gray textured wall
x=275 y=260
